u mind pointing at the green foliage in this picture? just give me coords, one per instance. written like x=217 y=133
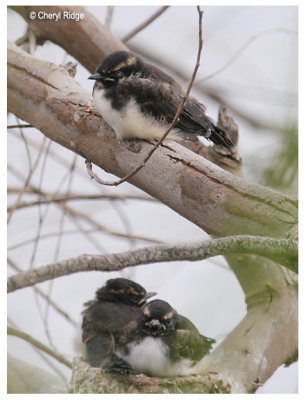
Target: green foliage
x=282 y=173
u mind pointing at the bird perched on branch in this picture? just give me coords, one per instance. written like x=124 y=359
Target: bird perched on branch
x=138 y=100
x=110 y=322
x=166 y=343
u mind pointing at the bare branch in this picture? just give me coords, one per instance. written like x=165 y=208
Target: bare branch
x=43 y=295
x=142 y=26
x=213 y=91
x=282 y=250
x=243 y=47
x=19 y=126
x=78 y=197
x=103 y=228
x=32 y=170
x=109 y=16
x=38 y=345
x=192 y=185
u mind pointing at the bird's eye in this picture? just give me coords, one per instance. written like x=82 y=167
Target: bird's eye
x=116 y=74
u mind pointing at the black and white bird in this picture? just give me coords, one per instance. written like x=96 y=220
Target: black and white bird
x=111 y=321
x=166 y=344
x=138 y=100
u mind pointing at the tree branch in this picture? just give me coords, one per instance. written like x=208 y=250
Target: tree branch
x=144 y=24
x=47 y=97
x=282 y=250
x=87 y=41
x=60 y=198
x=38 y=345
x=49 y=301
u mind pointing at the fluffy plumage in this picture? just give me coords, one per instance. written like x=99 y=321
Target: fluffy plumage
x=166 y=344
x=110 y=322
x=139 y=100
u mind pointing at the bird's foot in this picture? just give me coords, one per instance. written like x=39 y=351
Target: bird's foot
x=118 y=367
x=133 y=144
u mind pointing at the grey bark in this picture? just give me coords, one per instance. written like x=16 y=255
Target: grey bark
x=281 y=250
x=216 y=200
x=87 y=40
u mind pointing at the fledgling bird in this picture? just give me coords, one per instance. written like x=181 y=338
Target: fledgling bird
x=110 y=322
x=138 y=100
x=167 y=343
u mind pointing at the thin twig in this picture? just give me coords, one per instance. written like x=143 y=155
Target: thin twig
x=20 y=126
x=43 y=356
x=32 y=170
x=32 y=42
x=243 y=47
x=22 y=39
x=59 y=239
x=48 y=236
x=176 y=117
x=43 y=295
x=209 y=90
x=78 y=197
x=102 y=228
x=142 y=26
x=283 y=251
x=109 y=16
x=26 y=144
x=34 y=189
x=22 y=335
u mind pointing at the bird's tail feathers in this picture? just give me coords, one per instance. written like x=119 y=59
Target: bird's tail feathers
x=218 y=136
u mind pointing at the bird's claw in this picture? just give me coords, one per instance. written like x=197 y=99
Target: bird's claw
x=121 y=368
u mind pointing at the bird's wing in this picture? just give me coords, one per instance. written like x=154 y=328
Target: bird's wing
x=161 y=100
x=108 y=317
x=99 y=349
x=187 y=341
x=155 y=98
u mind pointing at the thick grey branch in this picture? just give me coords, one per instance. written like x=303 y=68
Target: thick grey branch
x=282 y=250
x=87 y=41
x=217 y=201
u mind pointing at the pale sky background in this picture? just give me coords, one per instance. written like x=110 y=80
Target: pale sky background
x=261 y=81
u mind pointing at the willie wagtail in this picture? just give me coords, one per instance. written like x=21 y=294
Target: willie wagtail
x=138 y=100
x=166 y=343
x=110 y=321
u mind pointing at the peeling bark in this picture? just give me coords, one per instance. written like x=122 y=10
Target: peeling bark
x=214 y=199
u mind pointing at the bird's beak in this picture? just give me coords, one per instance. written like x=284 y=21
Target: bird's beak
x=146 y=296
x=155 y=328
x=150 y=294
x=95 y=76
